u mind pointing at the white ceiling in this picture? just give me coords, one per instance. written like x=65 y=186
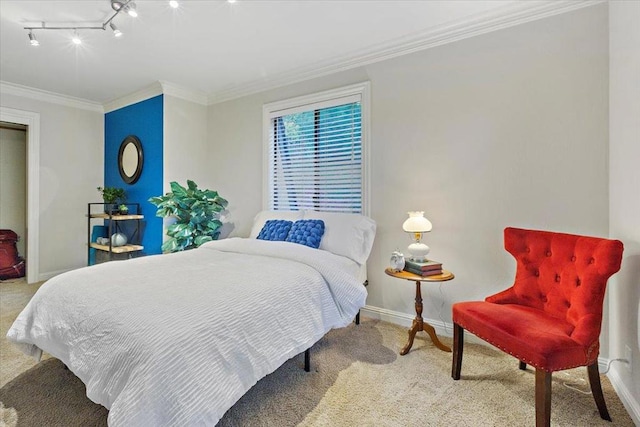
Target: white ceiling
x=222 y=50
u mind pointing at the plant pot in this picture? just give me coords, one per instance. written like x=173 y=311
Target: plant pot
x=111 y=209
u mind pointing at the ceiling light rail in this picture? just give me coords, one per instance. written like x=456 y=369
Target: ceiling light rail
x=127 y=6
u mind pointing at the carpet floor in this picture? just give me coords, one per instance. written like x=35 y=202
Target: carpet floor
x=357 y=379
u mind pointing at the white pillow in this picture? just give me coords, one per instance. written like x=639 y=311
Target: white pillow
x=264 y=216
x=345 y=234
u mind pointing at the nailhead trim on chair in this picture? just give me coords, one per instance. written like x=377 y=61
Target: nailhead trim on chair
x=528 y=362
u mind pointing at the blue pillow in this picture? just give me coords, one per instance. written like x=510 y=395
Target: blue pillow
x=275 y=229
x=307 y=232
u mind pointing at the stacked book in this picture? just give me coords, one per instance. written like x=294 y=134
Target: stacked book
x=423 y=268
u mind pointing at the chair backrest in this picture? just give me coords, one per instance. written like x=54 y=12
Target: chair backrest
x=565 y=275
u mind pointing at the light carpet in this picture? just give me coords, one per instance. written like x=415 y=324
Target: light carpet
x=357 y=379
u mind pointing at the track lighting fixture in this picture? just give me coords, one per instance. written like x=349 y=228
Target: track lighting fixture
x=118 y=6
x=128 y=6
x=33 y=40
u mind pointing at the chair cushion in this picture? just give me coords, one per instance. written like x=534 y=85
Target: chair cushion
x=529 y=334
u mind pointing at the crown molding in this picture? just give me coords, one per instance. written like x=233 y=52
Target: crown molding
x=143 y=94
x=497 y=19
x=182 y=92
x=155 y=89
x=51 y=97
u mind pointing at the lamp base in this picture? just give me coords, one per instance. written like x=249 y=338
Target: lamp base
x=418 y=252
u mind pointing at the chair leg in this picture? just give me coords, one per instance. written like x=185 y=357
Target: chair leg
x=596 y=390
x=523 y=366
x=458 y=345
x=358 y=318
x=543 y=398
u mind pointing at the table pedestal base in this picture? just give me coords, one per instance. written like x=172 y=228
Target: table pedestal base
x=420 y=325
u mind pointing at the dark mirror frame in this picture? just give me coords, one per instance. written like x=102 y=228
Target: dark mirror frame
x=131 y=139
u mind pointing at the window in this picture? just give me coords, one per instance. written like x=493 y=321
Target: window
x=316 y=151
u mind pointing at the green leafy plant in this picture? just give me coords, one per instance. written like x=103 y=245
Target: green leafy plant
x=112 y=194
x=124 y=209
x=197 y=214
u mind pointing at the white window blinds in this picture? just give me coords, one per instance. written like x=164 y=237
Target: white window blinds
x=315 y=156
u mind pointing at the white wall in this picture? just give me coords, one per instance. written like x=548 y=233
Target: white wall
x=624 y=188
x=71 y=166
x=505 y=129
x=13 y=184
x=185 y=142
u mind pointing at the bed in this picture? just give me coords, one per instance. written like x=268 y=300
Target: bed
x=177 y=339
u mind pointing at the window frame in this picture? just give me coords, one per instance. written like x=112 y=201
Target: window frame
x=313 y=102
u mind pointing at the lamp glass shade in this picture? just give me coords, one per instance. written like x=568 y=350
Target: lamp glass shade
x=417 y=223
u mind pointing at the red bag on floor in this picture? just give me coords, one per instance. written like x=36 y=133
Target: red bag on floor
x=12 y=272
x=11 y=265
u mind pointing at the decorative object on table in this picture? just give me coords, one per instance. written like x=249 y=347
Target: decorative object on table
x=197 y=214
x=426 y=268
x=111 y=196
x=118 y=239
x=123 y=209
x=102 y=241
x=417 y=224
x=397 y=262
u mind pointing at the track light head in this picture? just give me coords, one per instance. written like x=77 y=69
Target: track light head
x=174 y=4
x=116 y=31
x=117 y=4
x=32 y=39
x=130 y=8
x=76 y=38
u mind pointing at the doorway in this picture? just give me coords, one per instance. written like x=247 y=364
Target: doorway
x=30 y=121
x=13 y=181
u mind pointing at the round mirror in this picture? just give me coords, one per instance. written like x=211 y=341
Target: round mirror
x=130 y=159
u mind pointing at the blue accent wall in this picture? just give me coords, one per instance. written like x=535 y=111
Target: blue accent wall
x=144 y=120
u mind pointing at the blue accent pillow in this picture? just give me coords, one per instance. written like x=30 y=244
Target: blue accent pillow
x=307 y=232
x=275 y=229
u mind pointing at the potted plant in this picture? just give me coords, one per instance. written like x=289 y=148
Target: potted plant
x=111 y=196
x=197 y=214
x=123 y=209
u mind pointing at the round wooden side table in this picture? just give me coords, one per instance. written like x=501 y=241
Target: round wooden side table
x=418 y=323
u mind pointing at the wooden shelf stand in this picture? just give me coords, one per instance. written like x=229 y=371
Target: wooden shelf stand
x=113 y=221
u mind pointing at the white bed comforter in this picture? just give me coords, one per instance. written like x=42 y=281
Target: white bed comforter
x=176 y=340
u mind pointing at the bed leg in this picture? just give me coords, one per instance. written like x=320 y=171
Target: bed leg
x=358 y=318
x=307 y=360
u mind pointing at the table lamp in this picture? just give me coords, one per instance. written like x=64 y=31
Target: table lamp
x=417 y=224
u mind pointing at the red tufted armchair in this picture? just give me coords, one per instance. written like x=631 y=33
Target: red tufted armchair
x=550 y=318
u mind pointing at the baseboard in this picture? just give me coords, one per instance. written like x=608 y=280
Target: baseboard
x=442 y=328
x=446 y=329
x=628 y=400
